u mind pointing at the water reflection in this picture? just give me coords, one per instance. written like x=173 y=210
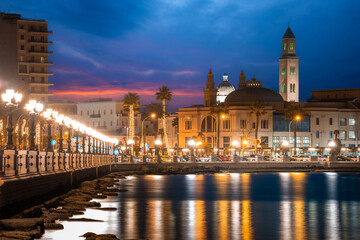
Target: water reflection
x=230 y=206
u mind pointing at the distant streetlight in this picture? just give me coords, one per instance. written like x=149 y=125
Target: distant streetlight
x=153 y=115
x=34 y=108
x=158 y=144
x=285 y=145
x=244 y=144
x=192 y=145
x=11 y=100
x=235 y=143
x=48 y=117
x=296 y=118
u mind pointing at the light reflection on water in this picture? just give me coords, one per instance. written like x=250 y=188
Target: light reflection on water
x=229 y=206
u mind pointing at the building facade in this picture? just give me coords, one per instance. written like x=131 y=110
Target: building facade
x=325 y=112
x=25 y=56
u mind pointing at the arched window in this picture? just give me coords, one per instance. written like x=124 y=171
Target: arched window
x=208 y=124
x=283 y=87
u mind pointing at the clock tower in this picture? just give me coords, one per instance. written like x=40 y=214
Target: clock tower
x=289 y=68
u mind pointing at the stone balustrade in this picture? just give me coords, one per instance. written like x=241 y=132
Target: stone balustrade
x=17 y=163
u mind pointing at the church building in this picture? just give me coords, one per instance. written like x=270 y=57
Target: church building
x=317 y=125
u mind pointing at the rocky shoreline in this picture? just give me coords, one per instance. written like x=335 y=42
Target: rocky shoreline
x=32 y=223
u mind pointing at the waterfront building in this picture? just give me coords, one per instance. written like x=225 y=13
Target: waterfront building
x=108 y=117
x=325 y=112
x=24 y=58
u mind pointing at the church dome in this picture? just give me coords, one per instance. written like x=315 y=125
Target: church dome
x=224 y=88
x=253 y=94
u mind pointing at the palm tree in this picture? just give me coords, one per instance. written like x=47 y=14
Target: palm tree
x=218 y=110
x=131 y=105
x=294 y=113
x=164 y=95
x=175 y=123
x=157 y=109
x=257 y=109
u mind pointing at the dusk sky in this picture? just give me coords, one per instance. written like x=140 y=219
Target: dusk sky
x=108 y=48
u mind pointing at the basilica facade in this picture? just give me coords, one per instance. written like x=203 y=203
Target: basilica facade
x=322 y=115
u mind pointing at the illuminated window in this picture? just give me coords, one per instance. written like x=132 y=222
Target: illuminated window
x=351 y=134
x=342 y=135
x=293 y=88
x=291 y=46
x=351 y=121
x=264 y=124
x=276 y=141
x=283 y=138
x=292 y=71
x=306 y=141
x=330 y=134
x=226 y=142
x=342 y=121
x=284 y=46
x=242 y=124
x=283 y=71
x=188 y=125
x=226 y=124
x=283 y=87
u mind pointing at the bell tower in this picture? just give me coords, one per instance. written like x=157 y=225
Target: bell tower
x=242 y=82
x=210 y=91
x=289 y=68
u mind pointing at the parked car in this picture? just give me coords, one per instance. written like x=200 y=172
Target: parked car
x=224 y=158
x=343 y=158
x=166 y=158
x=184 y=159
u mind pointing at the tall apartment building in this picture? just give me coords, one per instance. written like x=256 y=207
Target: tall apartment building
x=24 y=58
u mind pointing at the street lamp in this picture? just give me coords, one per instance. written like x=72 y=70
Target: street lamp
x=332 y=145
x=235 y=143
x=67 y=122
x=153 y=115
x=192 y=144
x=284 y=145
x=130 y=142
x=296 y=118
x=48 y=117
x=244 y=144
x=197 y=146
x=34 y=108
x=11 y=100
x=60 y=120
x=158 y=144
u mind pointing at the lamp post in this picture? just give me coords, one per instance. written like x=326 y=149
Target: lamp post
x=11 y=100
x=243 y=144
x=192 y=144
x=332 y=145
x=130 y=142
x=89 y=143
x=76 y=127
x=48 y=116
x=297 y=118
x=285 y=145
x=153 y=115
x=157 y=150
x=67 y=122
x=34 y=109
x=60 y=121
x=235 y=143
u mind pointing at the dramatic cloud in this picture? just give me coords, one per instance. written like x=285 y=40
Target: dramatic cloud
x=107 y=48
